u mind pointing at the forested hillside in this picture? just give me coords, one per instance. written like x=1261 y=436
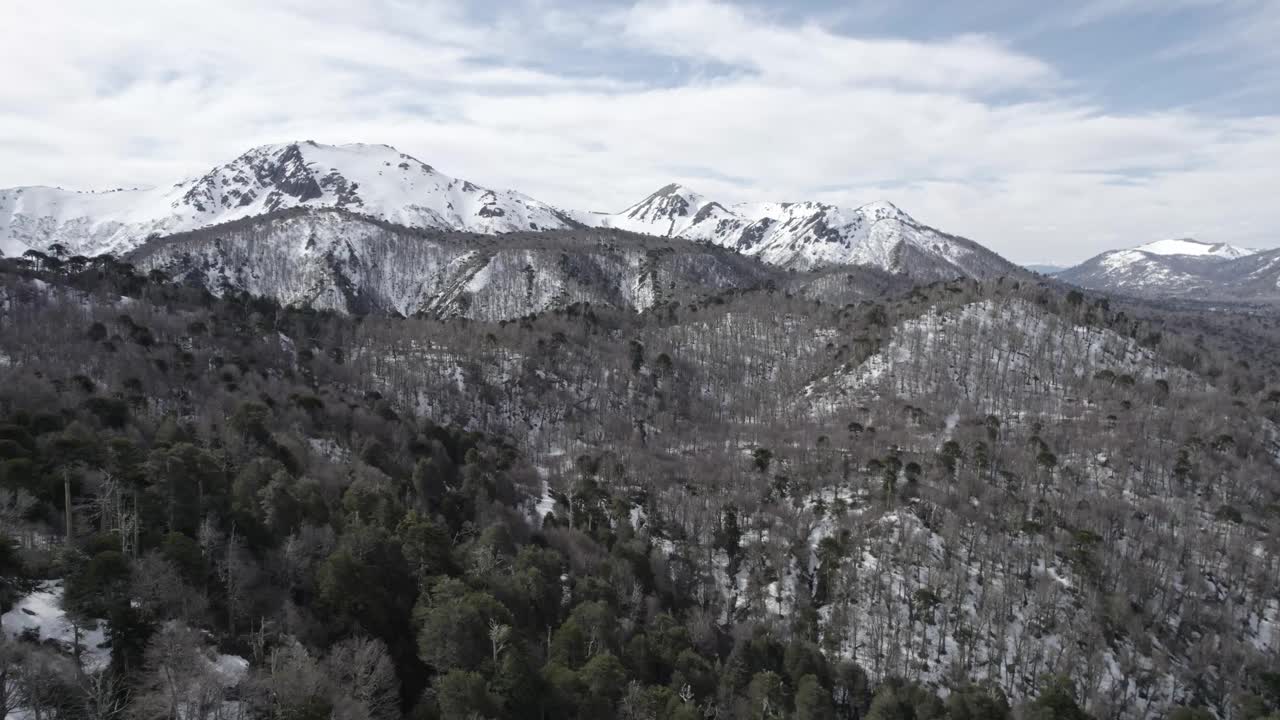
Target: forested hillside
x=809 y=495
x=333 y=260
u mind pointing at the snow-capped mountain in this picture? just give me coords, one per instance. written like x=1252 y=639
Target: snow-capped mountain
x=373 y=180
x=1188 y=247
x=379 y=182
x=1182 y=267
x=667 y=212
x=807 y=235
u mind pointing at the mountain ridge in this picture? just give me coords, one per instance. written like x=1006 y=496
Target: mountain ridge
x=808 y=234
x=336 y=259
x=375 y=180
x=387 y=185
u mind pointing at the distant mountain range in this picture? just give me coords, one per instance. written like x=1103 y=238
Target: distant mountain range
x=1183 y=268
x=377 y=197
x=380 y=183
x=1044 y=268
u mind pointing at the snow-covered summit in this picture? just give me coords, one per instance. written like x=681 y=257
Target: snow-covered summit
x=374 y=180
x=380 y=182
x=807 y=234
x=1188 y=246
x=668 y=211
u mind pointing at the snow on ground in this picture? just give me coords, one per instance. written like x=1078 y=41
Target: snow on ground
x=329 y=449
x=41 y=613
x=231 y=669
x=950 y=428
x=1121 y=259
x=10 y=247
x=546 y=503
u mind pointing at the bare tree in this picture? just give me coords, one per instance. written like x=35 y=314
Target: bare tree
x=364 y=679
x=158 y=589
x=179 y=682
x=291 y=681
x=10 y=676
x=106 y=696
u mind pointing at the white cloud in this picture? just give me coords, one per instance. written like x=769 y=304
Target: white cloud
x=103 y=95
x=811 y=55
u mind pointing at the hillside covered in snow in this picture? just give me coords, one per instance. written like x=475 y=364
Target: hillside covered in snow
x=335 y=260
x=1184 y=268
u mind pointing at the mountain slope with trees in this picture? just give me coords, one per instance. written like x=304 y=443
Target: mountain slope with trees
x=830 y=496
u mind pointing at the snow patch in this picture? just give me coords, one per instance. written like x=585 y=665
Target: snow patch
x=41 y=613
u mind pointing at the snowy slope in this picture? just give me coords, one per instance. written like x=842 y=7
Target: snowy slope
x=373 y=180
x=40 y=615
x=808 y=235
x=332 y=259
x=667 y=212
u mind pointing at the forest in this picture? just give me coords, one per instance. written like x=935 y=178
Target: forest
x=960 y=501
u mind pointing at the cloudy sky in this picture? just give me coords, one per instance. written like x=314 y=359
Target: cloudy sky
x=1046 y=134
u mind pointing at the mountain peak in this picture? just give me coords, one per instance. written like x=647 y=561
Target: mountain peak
x=380 y=182
x=672 y=196
x=1176 y=267
x=374 y=180
x=1190 y=246
x=882 y=210
x=666 y=211
x=673 y=189
x=879 y=205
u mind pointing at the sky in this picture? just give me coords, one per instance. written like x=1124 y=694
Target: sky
x=1048 y=132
